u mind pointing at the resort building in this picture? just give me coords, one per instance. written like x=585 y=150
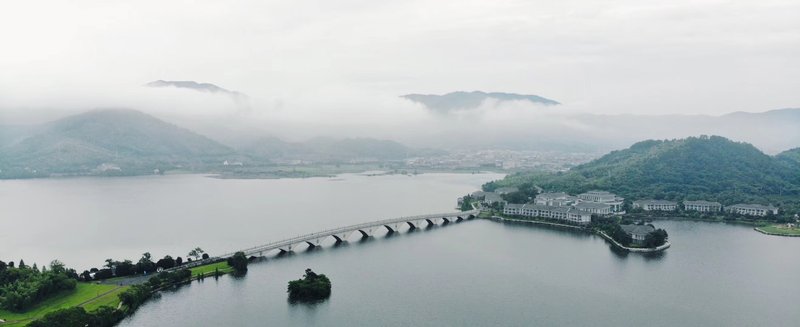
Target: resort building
x=702 y=206
x=595 y=208
x=506 y=190
x=562 y=213
x=611 y=199
x=655 y=205
x=638 y=232
x=559 y=199
x=752 y=209
x=488 y=198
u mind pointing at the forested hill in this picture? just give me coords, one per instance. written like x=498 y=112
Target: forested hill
x=790 y=157
x=117 y=141
x=711 y=168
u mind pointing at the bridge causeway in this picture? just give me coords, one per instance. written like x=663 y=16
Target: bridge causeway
x=342 y=234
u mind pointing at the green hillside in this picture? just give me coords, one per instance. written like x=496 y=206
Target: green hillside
x=790 y=157
x=711 y=168
x=130 y=140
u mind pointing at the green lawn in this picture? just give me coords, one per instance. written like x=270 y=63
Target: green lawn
x=781 y=229
x=90 y=296
x=209 y=269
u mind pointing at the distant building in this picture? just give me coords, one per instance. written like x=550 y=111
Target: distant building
x=655 y=205
x=487 y=198
x=593 y=207
x=638 y=232
x=752 y=209
x=611 y=199
x=506 y=190
x=562 y=213
x=559 y=199
x=702 y=206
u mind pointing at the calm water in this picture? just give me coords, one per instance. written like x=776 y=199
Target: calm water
x=83 y=221
x=474 y=273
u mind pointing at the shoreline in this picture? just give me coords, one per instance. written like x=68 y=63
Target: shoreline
x=757 y=229
x=663 y=247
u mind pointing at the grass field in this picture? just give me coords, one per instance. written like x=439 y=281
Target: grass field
x=209 y=269
x=90 y=296
x=781 y=229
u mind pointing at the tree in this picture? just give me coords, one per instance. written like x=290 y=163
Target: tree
x=145 y=264
x=57 y=266
x=166 y=263
x=22 y=264
x=656 y=238
x=178 y=261
x=312 y=287
x=238 y=262
x=197 y=253
x=205 y=256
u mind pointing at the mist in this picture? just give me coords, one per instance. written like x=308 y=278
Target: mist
x=337 y=70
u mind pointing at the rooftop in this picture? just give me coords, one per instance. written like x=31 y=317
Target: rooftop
x=591 y=205
x=752 y=206
x=702 y=203
x=639 y=230
x=657 y=202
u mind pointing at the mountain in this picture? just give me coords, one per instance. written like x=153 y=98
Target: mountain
x=710 y=168
x=108 y=141
x=333 y=150
x=239 y=98
x=470 y=100
x=192 y=85
x=790 y=157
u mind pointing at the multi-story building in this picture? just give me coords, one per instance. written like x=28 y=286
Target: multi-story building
x=611 y=199
x=594 y=207
x=559 y=199
x=702 y=206
x=562 y=213
x=752 y=209
x=655 y=205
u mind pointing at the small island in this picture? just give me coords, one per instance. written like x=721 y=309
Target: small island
x=312 y=287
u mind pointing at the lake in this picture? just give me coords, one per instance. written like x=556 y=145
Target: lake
x=473 y=273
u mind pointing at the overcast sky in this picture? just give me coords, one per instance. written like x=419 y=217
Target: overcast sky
x=327 y=58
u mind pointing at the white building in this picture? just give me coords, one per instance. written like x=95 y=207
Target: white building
x=595 y=208
x=751 y=209
x=559 y=199
x=560 y=213
x=702 y=206
x=608 y=198
x=655 y=205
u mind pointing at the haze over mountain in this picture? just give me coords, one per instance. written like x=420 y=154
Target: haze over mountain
x=708 y=168
x=470 y=100
x=238 y=97
x=129 y=142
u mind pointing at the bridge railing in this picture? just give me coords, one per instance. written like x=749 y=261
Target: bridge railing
x=342 y=229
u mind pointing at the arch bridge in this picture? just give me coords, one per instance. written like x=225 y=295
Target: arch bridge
x=342 y=234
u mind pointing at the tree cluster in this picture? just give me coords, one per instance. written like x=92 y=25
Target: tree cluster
x=238 y=262
x=77 y=316
x=312 y=287
x=23 y=286
x=656 y=238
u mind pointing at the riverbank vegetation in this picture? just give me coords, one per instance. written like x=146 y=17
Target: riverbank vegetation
x=312 y=287
x=780 y=230
x=238 y=262
x=23 y=286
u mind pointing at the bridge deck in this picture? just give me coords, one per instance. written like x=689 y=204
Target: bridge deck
x=264 y=248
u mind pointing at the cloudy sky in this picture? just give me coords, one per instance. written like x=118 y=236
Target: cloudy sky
x=323 y=58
